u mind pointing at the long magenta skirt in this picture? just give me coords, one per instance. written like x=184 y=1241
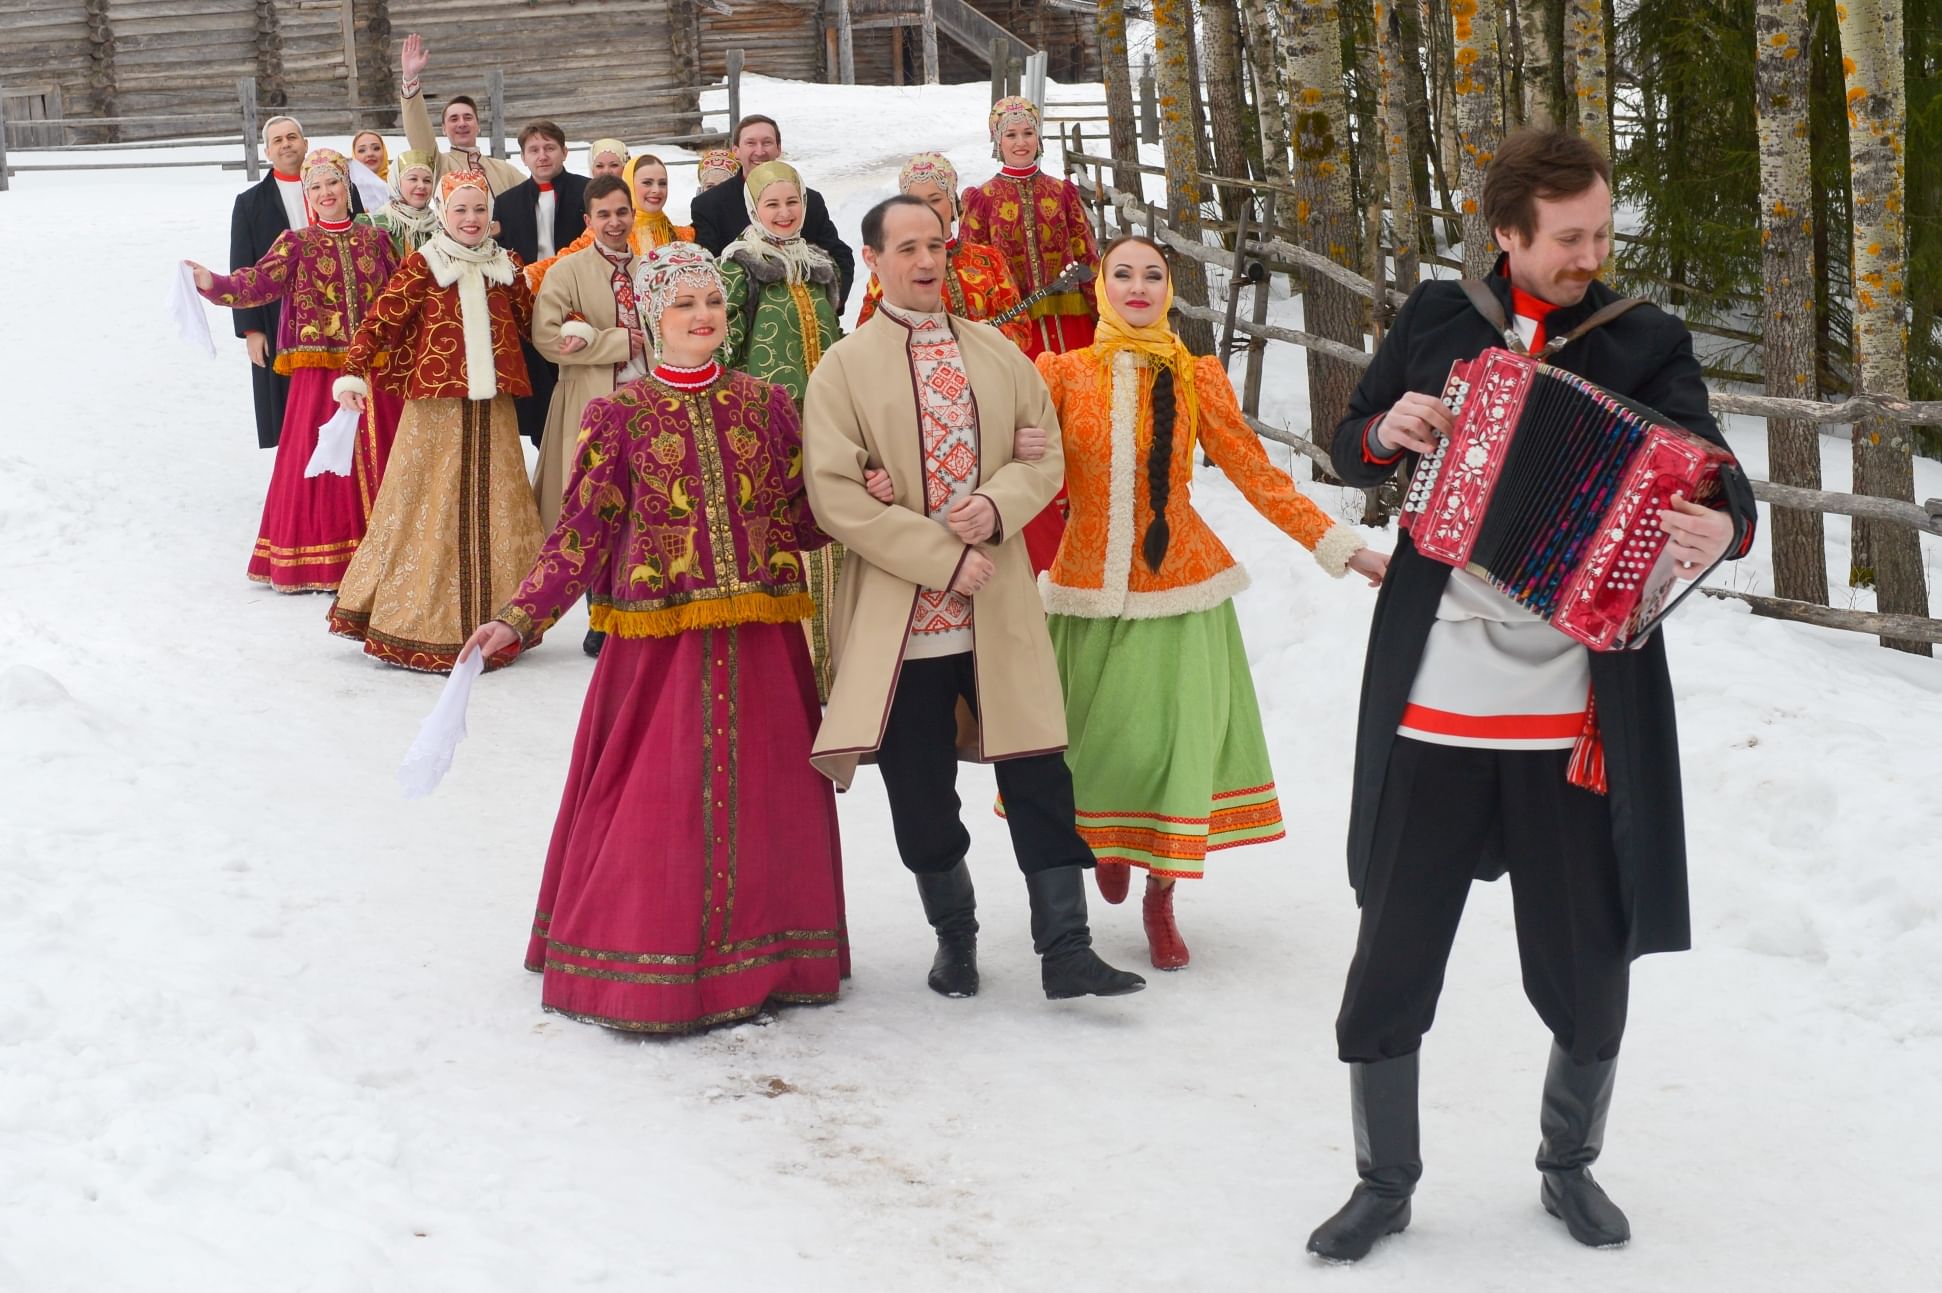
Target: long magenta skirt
x=311 y=526
x=695 y=873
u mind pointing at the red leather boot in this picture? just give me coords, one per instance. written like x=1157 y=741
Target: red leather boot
x=1113 y=878
x=1162 y=935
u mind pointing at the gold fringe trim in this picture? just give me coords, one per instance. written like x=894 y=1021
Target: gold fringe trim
x=1063 y=303
x=713 y=613
x=291 y=360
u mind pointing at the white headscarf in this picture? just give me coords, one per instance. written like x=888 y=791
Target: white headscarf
x=471 y=268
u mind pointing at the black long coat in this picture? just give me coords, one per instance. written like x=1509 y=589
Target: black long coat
x=254 y=223
x=721 y=213
x=517 y=211
x=1647 y=355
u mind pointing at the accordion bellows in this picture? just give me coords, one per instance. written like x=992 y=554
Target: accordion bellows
x=1550 y=487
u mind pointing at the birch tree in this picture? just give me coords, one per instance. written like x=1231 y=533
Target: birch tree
x=1267 y=90
x=1872 y=52
x=1117 y=73
x=1220 y=23
x=1534 y=58
x=1783 y=85
x=1479 y=120
x=1325 y=217
x=1172 y=38
x=1390 y=73
x=1589 y=70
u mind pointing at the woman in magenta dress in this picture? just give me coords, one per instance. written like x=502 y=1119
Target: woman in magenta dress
x=326 y=275
x=694 y=874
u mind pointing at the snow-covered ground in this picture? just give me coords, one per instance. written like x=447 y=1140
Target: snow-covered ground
x=263 y=1023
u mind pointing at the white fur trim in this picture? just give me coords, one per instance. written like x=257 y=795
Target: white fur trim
x=349 y=383
x=1337 y=546
x=1108 y=604
x=580 y=328
x=1116 y=563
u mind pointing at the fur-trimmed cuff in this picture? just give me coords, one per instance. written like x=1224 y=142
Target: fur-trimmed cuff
x=580 y=328
x=1337 y=546
x=349 y=383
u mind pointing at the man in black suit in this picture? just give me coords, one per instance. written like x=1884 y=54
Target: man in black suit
x=538 y=219
x=721 y=213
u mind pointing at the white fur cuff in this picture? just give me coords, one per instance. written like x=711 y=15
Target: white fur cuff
x=349 y=383
x=579 y=328
x=1337 y=546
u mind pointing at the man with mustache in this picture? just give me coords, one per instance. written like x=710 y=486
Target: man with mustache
x=1488 y=741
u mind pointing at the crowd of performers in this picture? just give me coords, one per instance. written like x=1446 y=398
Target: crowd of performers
x=935 y=540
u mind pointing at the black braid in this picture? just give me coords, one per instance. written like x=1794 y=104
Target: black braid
x=1159 y=469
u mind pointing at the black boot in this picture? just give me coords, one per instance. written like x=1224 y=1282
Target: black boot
x=1388 y=1157
x=1576 y=1099
x=593 y=641
x=951 y=906
x=1068 y=967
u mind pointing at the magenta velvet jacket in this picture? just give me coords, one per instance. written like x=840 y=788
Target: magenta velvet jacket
x=685 y=510
x=326 y=282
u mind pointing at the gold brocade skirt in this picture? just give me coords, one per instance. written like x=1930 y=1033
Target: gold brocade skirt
x=819 y=570
x=454 y=532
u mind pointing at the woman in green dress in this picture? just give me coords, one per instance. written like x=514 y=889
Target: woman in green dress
x=782 y=315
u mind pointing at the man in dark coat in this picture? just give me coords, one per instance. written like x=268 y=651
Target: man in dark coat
x=262 y=211
x=720 y=214
x=538 y=219
x=1473 y=710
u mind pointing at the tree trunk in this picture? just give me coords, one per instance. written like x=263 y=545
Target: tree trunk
x=1324 y=205
x=1480 y=124
x=1172 y=39
x=1220 y=22
x=1782 y=87
x=1589 y=70
x=1262 y=62
x=1391 y=76
x=1416 y=105
x=1535 y=84
x=1872 y=52
x=1117 y=73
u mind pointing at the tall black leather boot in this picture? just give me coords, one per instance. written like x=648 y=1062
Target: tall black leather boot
x=1576 y=1099
x=951 y=906
x=1068 y=967
x=1388 y=1157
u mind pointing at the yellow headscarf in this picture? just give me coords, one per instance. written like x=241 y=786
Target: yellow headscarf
x=383 y=169
x=1157 y=342
x=651 y=228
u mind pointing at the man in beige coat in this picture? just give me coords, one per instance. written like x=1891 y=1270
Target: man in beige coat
x=586 y=321
x=936 y=605
x=460 y=121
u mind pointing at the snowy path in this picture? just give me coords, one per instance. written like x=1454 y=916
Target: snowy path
x=263 y=1024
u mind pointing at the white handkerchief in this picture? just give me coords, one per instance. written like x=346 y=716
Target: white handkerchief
x=335 y=440
x=430 y=755
x=373 y=190
x=184 y=309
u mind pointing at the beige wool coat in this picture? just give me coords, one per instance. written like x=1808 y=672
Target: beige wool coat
x=860 y=411
x=578 y=284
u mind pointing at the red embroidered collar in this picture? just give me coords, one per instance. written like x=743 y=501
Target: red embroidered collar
x=1018 y=173
x=687 y=379
x=333 y=226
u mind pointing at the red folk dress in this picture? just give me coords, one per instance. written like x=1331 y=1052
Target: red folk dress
x=694 y=874
x=326 y=280
x=1039 y=225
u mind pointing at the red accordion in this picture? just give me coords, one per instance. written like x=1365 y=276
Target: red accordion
x=1550 y=487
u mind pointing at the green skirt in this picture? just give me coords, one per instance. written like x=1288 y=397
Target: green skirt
x=1165 y=744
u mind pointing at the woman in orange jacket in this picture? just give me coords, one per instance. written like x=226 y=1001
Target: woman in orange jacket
x=1168 y=757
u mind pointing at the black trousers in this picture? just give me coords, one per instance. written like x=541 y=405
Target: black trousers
x=1447 y=813
x=919 y=763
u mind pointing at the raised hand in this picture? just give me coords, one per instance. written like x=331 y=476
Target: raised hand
x=412 y=58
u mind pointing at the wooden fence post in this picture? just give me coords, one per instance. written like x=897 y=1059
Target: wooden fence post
x=735 y=57
x=845 y=45
x=3 y=139
x=1149 y=105
x=246 y=94
x=1257 y=348
x=496 y=92
x=354 y=95
x=1015 y=76
x=1000 y=51
x=930 y=43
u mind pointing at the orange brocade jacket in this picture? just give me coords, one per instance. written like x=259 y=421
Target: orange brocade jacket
x=1100 y=572
x=978 y=288
x=1039 y=226
x=414 y=336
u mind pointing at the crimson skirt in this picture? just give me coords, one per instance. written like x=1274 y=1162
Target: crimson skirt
x=695 y=874
x=312 y=525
